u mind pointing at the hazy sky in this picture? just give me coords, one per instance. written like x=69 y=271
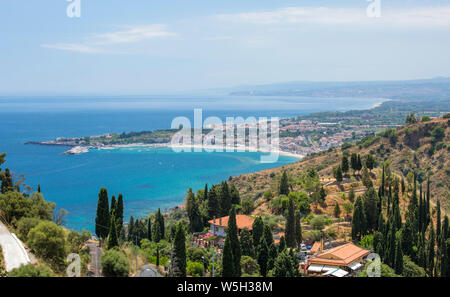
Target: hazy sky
x=148 y=46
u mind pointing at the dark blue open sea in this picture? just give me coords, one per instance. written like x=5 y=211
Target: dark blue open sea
x=148 y=178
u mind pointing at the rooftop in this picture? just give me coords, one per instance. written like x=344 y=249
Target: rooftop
x=343 y=255
x=242 y=221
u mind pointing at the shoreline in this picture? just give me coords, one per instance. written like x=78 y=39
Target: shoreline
x=191 y=148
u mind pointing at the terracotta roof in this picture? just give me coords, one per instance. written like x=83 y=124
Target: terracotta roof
x=343 y=255
x=315 y=247
x=242 y=221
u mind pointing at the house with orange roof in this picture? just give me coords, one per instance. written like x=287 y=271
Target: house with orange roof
x=340 y=260
x=219 y=225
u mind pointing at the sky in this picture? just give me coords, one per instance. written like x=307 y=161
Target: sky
x=149 y=46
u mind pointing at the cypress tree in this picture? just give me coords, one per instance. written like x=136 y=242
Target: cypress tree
x=337 y=210
x=113 y=206
x=359 y=163
x=257 y=230
x=284 y=266
x=430 y=251
x=247 y=247
x=273 y=253
x=193 y=212
x=268 y=235
x=282 y=244
x=290 y=225
x=398 y=266
x=178 y=263
x=438 y=218
x=284 y=185
x=39 y=188
x=131 y=229
x=359 y=225
x=298 y=229
x=383 y=183
x=112 y=236
x=351 y=195
x=102 y=219
x=213 y=203
x=225 y=198
x=119 y=213
x=354 y=162
x=232 y=234
x=344 y=164
x=149 y=228
x=157 y=255
x=228 y=269
x=235 y=198
x=263 y=256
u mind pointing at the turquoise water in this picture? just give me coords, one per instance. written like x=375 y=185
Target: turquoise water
x=148 y=178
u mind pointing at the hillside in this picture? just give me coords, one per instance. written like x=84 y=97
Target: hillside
x=423 y=146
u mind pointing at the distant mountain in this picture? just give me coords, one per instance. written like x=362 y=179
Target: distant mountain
x=435 y=88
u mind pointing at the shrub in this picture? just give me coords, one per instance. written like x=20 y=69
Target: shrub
x=24 y=225
x=30 y=271
x=115 y=263
x=318 y=223
x=249 y=266
x=194 y=268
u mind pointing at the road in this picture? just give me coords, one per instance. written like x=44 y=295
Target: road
x=95 y=252
x=13 y=250
x=148 y=271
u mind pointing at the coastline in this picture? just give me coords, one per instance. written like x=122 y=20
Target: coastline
x=82 y=150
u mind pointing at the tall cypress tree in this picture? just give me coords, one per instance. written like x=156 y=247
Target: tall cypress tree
x=178 y=263
x=131 y=230
x=263 y=256
x=232 y=234
x=398 y=265
x=290 y=225
x=257 y=230
x=149 y=228
x=246 y=240
x=359 y=224
x=284 y=184
x=113 y=206
x=298 y=229
x=228 y=269
x=268 y=235
x=430 y=250
x=438 y=218
x=102 y=219
x=213 y=203
x=119 y=214
x=273 y=253
x=235 y=197
x=344 y=164
x=225 y=198
x=112 y=236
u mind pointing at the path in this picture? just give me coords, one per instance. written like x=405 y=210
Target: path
x=95 y=252
x=148 y=271
x=13 y=250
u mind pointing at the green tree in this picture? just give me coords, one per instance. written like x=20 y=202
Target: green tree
x=351 y=195
x=235 y=197
x=337 y=210
x=398 y=264
x=247 y=247
x=178 y=263
x=102 y=218
x=115 y=263
x=263 y=256
x=112 y=236
x=232 y=235
x=290 y=225
x=47 y=240
x=284 y=267
x=359 y=225
x=337 y=173
x=284 y=185
x=298 y=229
x=257 y=230
x=213 y=203
x=354 y=162
x=119 y=214
x=344 y=164
x=370 y=162
x=225 y=198
x=228 y=269
x=348 y=208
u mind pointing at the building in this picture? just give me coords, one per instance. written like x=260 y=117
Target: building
x=338 y=261
x=219 y=225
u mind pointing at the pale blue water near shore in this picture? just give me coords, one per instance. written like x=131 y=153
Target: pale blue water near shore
x=148 y=178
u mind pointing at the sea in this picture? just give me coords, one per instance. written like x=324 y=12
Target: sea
x=148 y=178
